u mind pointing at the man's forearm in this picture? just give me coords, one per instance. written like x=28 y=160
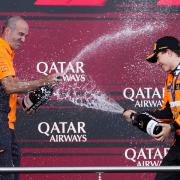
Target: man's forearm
x=12 y=85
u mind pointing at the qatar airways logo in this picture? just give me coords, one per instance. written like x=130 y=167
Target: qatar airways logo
x=146 y=156
x=144 y=97
x=63 y=131
x=73 y=72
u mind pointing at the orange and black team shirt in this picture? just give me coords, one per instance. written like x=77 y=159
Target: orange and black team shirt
x=170 y=111
x=7 y=102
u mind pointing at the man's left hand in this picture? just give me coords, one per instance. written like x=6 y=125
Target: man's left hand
x=166 y=131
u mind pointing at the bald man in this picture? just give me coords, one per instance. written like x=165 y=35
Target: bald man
x=14 y=33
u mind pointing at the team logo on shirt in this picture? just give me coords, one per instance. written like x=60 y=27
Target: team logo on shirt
x=177 y=86
x=3 y=67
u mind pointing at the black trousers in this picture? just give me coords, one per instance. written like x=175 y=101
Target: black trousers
x=9 y=149
x=171 y=159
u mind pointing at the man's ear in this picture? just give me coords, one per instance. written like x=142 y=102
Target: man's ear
x=7 y=30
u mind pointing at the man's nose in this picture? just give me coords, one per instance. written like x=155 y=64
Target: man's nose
x=23 y=39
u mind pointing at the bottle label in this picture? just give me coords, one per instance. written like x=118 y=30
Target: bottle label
x=27 y=102
x=150 y=127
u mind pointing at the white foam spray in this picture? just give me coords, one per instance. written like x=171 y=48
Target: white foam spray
x=90 y=96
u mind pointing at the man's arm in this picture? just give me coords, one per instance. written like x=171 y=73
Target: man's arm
x=141 y=120
x=13 y=85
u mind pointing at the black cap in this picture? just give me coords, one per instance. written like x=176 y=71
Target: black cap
x=167 y=42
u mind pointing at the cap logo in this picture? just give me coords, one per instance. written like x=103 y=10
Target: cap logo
x=165 y=47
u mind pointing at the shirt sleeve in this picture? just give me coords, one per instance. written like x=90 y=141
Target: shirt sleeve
x=6 y=65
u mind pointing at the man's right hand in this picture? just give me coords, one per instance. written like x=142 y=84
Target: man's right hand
x=54 y=78
x=127 y=115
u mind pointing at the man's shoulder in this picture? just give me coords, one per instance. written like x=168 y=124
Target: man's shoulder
x=3 y=50
x=3 y=44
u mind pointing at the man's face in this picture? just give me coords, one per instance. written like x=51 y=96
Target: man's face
x=17 y=34
x=163 y=59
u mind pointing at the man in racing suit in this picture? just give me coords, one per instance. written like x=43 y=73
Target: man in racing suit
x=166 y=53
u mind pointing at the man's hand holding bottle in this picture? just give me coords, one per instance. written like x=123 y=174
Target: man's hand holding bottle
x=34 y=99
x=149 y=124
x=52 y=79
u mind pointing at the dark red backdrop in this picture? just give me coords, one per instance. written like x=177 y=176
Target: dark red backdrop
x=116 y=38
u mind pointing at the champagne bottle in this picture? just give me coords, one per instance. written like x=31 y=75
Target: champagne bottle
x=147 y=123
x=37 y=97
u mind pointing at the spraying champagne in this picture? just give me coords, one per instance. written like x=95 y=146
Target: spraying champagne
x=37 y=97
